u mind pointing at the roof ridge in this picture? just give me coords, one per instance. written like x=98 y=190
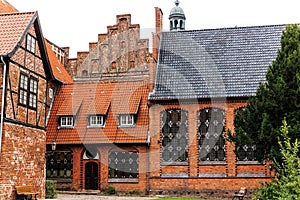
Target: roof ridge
x=17 y=13
x=225 y=28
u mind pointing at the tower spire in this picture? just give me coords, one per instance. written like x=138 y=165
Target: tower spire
x=177 y=18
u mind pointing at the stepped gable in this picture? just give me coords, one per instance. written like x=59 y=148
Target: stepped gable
x=120 y=52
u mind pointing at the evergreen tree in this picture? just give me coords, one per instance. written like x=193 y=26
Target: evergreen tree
x=260 y=121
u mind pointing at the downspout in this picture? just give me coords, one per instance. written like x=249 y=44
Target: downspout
x=3 y=101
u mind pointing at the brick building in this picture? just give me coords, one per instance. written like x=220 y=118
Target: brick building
x=100 y=122
x=138 y=121
x=25 y=76
x=30 y=76
x=203 y=77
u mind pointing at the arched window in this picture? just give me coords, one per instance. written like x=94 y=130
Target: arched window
x=85 y=73
x=176 y=24
x=181 y=24
x=171 y=25
x=245 y=152
x=174 y=124
x=211 y=134
x=114 y=65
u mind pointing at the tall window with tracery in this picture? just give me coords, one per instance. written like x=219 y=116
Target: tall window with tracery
x=246 y=152
x=174 y=124
x=211 y=134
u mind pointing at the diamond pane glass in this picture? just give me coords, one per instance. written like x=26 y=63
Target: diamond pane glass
x=59 y=164
x=211 y=134
x=123 y=164
x=174 y=136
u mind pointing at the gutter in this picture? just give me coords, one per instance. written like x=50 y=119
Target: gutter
x=2 y=102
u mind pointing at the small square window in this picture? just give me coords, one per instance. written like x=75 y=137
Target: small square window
x=96 y=121
x=126 y=120
x=67 y=121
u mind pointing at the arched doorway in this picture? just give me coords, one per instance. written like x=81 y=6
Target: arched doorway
x=91 y=176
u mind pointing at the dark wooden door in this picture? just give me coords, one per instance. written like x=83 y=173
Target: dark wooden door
x=91 y=176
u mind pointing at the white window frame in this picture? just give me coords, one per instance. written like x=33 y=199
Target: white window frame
x=126 y=120
x=30 y=43
x=66 y=121
x=96 y=121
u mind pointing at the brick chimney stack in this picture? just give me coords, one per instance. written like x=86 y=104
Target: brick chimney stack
x=158 y=29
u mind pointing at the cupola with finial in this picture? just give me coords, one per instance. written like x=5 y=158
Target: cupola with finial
x=177 y=18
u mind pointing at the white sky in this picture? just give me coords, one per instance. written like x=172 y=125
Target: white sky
x=75 y=23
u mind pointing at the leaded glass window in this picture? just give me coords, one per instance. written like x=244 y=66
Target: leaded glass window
x=59 y=164
x=174 y=125
x=247 y=153
x=123 y=164
x=211 y=134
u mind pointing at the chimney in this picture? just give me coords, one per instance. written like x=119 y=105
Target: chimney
x=158 y=29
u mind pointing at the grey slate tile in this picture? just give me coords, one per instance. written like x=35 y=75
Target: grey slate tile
x=227 y=62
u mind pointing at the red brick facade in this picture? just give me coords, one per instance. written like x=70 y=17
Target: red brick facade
x=23 y=144
x=200 y=177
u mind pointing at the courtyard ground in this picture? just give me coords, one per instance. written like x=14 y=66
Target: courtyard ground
x=98 y=197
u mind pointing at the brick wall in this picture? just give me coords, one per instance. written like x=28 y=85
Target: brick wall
x=78 y=176
x=198 y=176
x=22 y=160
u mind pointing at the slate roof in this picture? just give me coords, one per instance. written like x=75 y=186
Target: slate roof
x=214 y=63
x=12 y=28
x=110 y=98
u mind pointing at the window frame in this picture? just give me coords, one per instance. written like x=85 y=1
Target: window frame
x=126 y=120
x=28 y=91
x=67 y=118
x=96 y=125
x=220 y=140
x=58 y=166
x=115 y=173
x=31 y=43
x=176 y=126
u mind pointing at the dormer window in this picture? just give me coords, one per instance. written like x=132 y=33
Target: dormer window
x=66 y=121
x=96 y=121
x=30 y=43
x=126 y=120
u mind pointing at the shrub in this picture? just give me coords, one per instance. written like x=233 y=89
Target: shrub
x=110 y=190
x=51 y=189
x=286 y=184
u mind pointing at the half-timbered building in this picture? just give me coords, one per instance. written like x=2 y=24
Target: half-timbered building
x=25 y=75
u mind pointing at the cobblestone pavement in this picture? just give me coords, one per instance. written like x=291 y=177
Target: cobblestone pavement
x=97 y=197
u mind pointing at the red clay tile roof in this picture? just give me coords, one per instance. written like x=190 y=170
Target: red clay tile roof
x=6 y=7
x=58 y=70
x=111 y=98
x=12 y=28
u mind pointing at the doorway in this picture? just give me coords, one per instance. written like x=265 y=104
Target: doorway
x=91 y=176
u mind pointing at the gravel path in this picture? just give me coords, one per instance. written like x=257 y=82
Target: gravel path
x=97 y=197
